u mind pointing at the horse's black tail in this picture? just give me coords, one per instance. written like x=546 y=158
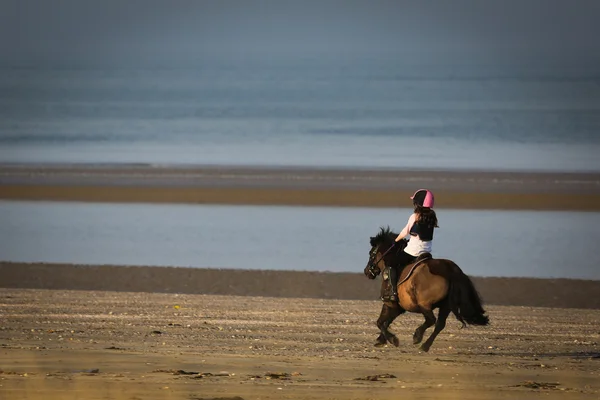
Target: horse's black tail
x=465 y=301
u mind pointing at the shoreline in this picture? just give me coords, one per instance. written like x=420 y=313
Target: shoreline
x=526 y=292
x=231 y=185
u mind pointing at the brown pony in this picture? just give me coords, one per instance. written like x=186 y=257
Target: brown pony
x=432 y=283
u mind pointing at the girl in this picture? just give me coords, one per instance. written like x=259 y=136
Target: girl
x=420 y=227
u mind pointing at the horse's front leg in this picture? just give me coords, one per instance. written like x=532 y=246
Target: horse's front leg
x=389 y=312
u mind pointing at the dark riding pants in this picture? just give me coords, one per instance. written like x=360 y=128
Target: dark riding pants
x=403 y=259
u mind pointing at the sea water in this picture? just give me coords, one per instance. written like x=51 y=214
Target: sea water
x=314 y=112
x=483 y=243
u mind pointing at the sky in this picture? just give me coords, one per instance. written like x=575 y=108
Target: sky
x=34 y=32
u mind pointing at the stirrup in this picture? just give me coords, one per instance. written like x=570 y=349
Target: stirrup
x=390 y=297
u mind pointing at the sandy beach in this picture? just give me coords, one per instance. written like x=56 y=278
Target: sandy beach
x=114 y=332
x=61 y=344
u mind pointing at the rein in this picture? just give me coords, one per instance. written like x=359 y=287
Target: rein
x=372 y=266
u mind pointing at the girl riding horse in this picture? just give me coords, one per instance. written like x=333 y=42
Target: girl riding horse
x=420 y=227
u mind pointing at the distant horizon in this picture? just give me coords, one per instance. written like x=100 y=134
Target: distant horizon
x=545 y=62
x=88 y=32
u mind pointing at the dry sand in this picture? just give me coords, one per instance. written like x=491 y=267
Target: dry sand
x=59 y=344
x=232 y=334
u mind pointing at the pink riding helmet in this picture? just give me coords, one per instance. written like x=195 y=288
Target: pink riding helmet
x=423 y=197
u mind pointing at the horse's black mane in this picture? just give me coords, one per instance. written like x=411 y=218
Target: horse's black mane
x=385 y=235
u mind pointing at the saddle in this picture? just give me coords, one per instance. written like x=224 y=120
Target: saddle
x=409 y=268
x=406 y=272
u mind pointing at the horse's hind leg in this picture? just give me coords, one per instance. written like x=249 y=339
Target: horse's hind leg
x=386 y=317
x=429 y=321
x=439 y=326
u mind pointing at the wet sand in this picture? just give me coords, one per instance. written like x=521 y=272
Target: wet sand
x=562 y=293
x=301 y=187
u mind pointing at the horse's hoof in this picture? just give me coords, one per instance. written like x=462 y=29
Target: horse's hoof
x=417 y=338
x=395 y=341
x=424 y=348
x=379 y=344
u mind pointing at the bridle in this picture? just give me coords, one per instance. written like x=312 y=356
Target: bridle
x=372 y=267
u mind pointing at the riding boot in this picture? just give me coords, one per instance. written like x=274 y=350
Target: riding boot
x=394 y=284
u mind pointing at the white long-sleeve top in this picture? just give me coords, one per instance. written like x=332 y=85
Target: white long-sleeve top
x=415 y=245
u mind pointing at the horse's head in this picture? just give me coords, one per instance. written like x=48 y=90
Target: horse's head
x=377 y=255
x=373 y=268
